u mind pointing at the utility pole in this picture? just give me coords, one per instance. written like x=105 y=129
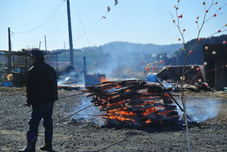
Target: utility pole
x=40 y=45
x=64 y=46
x=70 y=33
x=45 y=41
x=85 y=66
x=85 y=70
x=10 y=51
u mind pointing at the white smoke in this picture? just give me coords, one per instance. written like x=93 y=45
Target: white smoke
x=200 y=110
x=90 y=114
x=70 y=79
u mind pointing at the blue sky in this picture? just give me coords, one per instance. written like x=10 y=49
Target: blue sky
x=140 y=21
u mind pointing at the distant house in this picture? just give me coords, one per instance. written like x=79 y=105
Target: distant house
x=215 y=64
x=20 y=63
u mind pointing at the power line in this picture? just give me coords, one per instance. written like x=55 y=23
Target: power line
x=85 y=33
x=81 y=24
x=44 y=23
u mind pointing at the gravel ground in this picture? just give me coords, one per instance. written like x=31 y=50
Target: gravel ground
x=86 y=136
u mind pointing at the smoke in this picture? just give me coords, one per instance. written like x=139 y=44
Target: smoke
x=63 y=78
x=88 y=115
x=123 y=66
x=201 y=110
x=71 y=78
x=108 y=68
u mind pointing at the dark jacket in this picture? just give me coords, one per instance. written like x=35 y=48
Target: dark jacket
x=41 y=84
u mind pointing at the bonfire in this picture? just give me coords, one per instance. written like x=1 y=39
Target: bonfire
x=134 y=102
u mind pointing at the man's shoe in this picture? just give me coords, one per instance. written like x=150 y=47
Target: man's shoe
x=27 y=149
x=47 y=147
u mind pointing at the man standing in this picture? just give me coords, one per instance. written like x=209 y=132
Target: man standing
x=41 y=94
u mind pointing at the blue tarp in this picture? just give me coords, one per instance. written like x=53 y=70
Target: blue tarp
x=151 y=78
x=154 y=78
x=7 y=84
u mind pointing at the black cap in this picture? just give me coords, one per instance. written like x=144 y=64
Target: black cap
x=37 y=54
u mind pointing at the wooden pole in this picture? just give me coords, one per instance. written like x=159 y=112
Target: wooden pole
x=39 y=45
x=70 y=33
x=85 y=69
x=10 y=50
x=45 y=41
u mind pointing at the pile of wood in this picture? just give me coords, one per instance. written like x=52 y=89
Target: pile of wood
x=134 y=102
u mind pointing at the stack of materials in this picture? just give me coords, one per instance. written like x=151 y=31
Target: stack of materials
x=134 y=103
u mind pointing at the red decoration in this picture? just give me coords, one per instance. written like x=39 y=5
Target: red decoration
x=147 y=69
x=197 y=69
x=215 y=15
x=219 y=31
x=180 y=16
x=224 y=42
x=207 y=11
x=162 y=61
x=190 y=52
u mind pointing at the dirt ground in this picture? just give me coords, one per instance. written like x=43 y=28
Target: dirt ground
x=87 y=137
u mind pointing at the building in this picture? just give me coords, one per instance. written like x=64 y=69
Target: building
x=215 y=65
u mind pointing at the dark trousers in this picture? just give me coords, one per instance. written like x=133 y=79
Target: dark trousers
x=41 y=112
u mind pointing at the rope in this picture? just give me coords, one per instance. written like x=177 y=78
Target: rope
x=103 y=149
x=74 y=113
x=71 y=95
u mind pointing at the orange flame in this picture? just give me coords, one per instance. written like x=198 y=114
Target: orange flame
x=144 y=105
x=103 y=79
x=118 y=118
x=148 y=111
x=122 y=112
x=148 y=121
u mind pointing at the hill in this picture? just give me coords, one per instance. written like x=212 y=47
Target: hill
x=117 y=48
x=197 y=56
x=117 y=59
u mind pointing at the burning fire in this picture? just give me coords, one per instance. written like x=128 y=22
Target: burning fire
x=103 y=79
x=134 y=101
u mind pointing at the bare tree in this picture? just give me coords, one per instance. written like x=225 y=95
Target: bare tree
x=211 y=10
